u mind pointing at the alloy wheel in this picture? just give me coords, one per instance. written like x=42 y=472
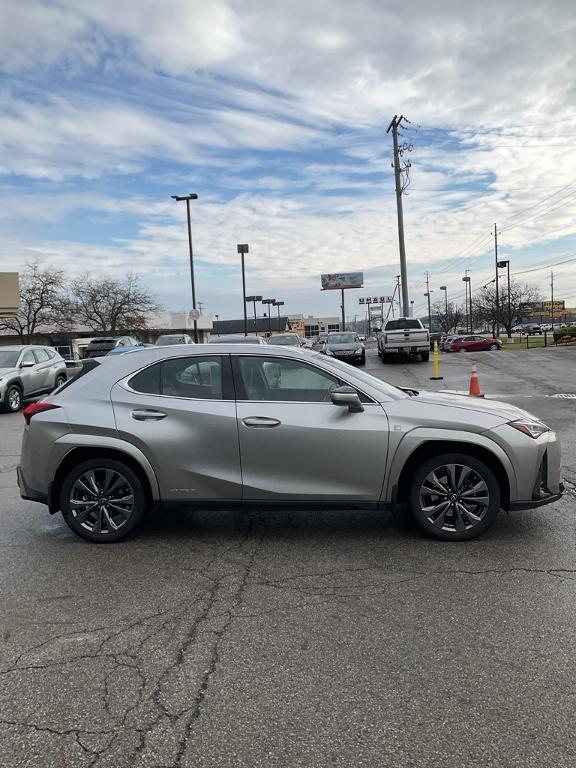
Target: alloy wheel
x=101 y=500
x=454 y=498
x=14 y=399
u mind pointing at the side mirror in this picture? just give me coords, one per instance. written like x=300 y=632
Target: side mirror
x=27 y=364
x=347 y=396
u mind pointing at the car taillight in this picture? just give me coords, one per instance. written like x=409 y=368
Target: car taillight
x=34 y=408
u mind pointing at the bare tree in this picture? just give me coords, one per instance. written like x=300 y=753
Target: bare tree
x=448 y=320
x=110 y=305
x=41 y=301
x=484 y=304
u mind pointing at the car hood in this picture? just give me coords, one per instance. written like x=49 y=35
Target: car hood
x=496 y=408
x=4 y=371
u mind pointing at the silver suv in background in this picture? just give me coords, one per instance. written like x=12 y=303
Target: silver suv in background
x=229 y=425
x=167 y=339
x=345 y=345
x=27 y=371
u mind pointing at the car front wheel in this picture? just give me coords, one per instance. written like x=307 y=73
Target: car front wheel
x=454 y=497
x=462 y=349
x=494 y=347
x=13 y=399
x=102 y=500
x=60 y=379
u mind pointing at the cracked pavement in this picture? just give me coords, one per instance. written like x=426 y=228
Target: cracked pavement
x=295 y=638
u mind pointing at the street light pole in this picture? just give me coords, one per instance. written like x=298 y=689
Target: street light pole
x=254 y=299
x=497 y=293
x=269 y=302
x=501 y=265
x=187 y=198
x=242 y=248
x=468 y=287
x=445 y=289
x=427 y=294
x=278 y=304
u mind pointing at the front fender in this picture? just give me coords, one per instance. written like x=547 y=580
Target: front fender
x=419 y=436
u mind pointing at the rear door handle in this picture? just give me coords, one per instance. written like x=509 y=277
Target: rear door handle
x=146 y=415
x=260 y=421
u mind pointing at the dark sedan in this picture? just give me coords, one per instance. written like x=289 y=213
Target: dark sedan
x=475 y=344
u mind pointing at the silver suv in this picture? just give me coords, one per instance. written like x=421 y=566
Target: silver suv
x=27 y=371
x=249 y=426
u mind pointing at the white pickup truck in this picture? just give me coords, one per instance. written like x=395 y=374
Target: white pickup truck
x=404 y=335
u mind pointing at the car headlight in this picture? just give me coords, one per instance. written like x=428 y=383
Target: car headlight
x=530 y=427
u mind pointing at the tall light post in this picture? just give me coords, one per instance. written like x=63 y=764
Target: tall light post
x=466 y=279
x=254 y=299
x=187 y=198
x=278 y=304
x=427 y=294
x=269 y=302
x=501 y=265
x=445 y=289
x=242 y=248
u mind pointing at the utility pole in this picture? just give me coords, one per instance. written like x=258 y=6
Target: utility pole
x=427 y=294
x=400 y=313
x=552 y=297
x=394 y=124
x=497 y=332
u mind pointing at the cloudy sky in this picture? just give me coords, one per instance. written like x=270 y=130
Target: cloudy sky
x=275 y=113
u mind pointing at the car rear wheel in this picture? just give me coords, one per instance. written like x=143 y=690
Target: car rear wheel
x=454 y=497
x=425 y=356
x=102 y=500
x=13 y=400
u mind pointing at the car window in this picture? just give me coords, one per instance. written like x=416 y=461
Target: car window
x=342 y=338
x=41 y=355
x=401 y=324
x=28 y=357
x=276 y=378
x=194 y=377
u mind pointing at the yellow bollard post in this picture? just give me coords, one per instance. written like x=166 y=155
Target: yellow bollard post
x=436 y=359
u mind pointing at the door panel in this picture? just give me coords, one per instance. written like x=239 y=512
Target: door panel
x=293 y=449
x=191 y=442
x=31 y=377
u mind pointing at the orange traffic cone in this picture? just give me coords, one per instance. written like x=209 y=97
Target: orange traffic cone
x=474 y=383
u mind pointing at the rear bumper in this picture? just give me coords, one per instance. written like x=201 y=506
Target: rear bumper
x=515 y=506
x=27 y=493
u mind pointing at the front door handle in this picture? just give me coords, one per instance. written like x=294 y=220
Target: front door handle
x=146 y=415
x=260 y=421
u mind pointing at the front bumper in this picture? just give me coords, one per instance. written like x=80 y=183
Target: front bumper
x=27 y=493
x=516 y=506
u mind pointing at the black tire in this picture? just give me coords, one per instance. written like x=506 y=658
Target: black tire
x=425 y=356
x=494 y=347
x=60 y=379
x=84 y=521
x=462 y=349
x=12 y=400
x=474 y=515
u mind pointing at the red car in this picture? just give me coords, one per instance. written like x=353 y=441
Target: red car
x=475 y=344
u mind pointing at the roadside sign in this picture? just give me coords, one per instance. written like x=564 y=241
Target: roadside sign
x=194 y=314
x=336 y=281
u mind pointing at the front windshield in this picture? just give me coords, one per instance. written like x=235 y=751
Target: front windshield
x=165 y=341
x=380 y=386
x=8 y=359
x=342 y=338
x=284 y=340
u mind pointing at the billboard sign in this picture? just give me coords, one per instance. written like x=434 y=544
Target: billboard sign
x=338 y=280
x=559 y=306
x=9 y=294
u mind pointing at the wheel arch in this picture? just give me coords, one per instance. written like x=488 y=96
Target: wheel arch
x=431 y=448
x=85 y=453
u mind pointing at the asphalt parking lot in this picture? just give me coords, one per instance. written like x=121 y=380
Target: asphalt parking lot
x=298 y=639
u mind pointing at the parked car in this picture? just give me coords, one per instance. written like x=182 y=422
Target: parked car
x=237 y=338
x=517 y=328
x=173 y=338
x=345 y=345
x=230 y=426
x=100 y=346
x=474 y=344
x=286 y=340
x=128 y=348
x=27 y=371
x=404 y=335
x=531 y=329
x=546 y=327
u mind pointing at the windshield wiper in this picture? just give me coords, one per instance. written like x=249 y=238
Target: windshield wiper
x=409 y=391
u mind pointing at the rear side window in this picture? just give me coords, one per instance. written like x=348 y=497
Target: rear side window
x=400 y=325
x=41 y=355
x=193 y=377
